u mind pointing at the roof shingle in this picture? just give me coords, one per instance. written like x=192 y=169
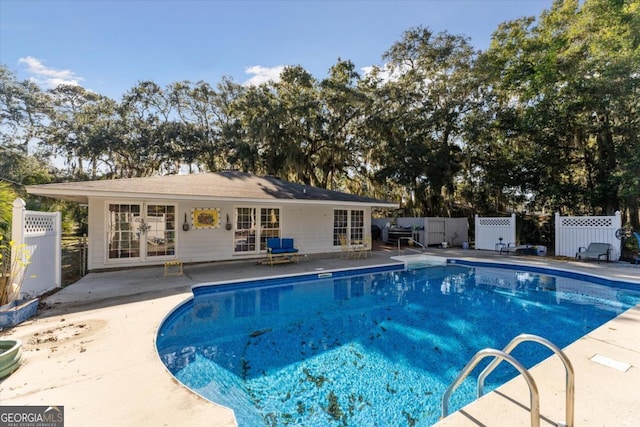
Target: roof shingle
x=222 y=186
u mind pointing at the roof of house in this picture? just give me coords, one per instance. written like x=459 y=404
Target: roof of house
x=230 y=186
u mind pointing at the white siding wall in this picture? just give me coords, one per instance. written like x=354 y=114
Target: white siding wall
x=311 y=226
x=96 y=233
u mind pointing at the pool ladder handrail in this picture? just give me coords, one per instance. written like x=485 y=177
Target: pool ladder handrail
x=410 y=241
x=499 y=356
x=568 y=367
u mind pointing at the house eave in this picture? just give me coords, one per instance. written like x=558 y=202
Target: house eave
x=73 y=196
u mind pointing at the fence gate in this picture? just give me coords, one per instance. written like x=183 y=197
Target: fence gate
x=492 y=232
x=41 y=233
x=436 y=231
x=573 y=232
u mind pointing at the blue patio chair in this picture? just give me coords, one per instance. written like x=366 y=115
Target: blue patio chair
x=281 y=251
x=637 y=256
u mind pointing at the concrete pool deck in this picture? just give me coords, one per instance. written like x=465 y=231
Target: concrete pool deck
x=91 y=349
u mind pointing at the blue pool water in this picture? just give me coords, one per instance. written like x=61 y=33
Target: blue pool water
x=371 y=347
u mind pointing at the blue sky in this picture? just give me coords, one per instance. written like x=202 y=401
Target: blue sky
x=108 y=46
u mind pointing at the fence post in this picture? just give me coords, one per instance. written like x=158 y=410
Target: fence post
x=17 y=236
x=58 y=264
x=617 y=224
x=475 y=232
x=83 y=255
x=557 y=248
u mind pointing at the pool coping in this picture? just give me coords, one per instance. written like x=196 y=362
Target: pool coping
x=107 y=323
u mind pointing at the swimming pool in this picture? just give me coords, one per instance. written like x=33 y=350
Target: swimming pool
x=374 y=346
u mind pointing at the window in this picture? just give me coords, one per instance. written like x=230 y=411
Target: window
x=349 y=224
x=340 y=225
x=357 y=226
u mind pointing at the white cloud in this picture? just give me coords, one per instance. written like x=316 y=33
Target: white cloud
x=49 y=77
x=263 y=74
x=386 y=72
x=382 y=73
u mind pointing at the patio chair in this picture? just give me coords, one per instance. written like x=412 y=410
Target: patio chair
x=344 y=245
x=509 y=248
x=594 y=251
x=366 y=248
x=281 y=251
x=637 y=256
x=362 y=248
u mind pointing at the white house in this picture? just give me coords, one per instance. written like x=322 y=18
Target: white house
x=209 y=217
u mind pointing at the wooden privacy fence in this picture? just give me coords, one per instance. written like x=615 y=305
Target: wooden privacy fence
x=493 y=232
x=41 y=234
x=573 y=232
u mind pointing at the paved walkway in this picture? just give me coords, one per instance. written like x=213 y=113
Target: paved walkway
x=91 y=350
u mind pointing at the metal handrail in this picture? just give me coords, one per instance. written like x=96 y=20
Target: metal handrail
x=411 y=241
x=570 y=377
x=500 y=356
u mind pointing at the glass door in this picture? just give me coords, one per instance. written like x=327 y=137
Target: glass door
x=160 y=235
x=123 y=236
x=245 y=230
x=141 y=231
x=269 y=225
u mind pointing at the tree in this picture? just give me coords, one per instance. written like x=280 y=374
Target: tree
x=75 y=116
x=257 y=132
x=206 y=123
x=339 y=157
x=415 y=115
x=564 y=102
x=148 y=138
x=22 y=111
x=7 y=196
x=23 y=108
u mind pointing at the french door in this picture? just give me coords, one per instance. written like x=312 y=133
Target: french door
x=252 y=228
x=141 y=231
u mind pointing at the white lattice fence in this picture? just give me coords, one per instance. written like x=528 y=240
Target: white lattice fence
x=573 y=232
x=42 y=236
x=490 y=231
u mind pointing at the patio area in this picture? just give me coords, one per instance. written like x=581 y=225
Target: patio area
x=91 y=349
